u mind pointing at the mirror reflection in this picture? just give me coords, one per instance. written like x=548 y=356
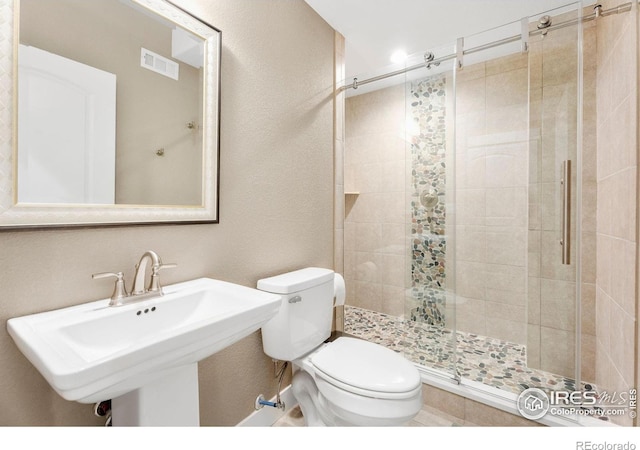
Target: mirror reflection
x=110 y=101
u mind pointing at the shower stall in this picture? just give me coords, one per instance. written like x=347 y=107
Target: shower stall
x=490 y=205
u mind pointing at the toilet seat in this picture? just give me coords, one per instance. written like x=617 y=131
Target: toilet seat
x=366 y=369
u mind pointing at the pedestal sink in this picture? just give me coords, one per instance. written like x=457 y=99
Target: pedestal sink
x=143 y=355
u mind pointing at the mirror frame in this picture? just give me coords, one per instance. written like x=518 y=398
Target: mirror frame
x=20 y=216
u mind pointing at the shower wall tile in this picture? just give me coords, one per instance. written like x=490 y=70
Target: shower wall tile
x=471 y=207
x=588 y=311
x=622 y=333
x=513 y=313
x=558 y=304
x=471 y=243
x=394 y=238
x=350 y=234
x=368 y=295
x=393 y=270
x=393 y=208
x=468 y=128
x=508 y=330
x=533 y=300
x=369 y=178
x=507 y=245
x=551 y=267
x=349 y=262
x=470 y=315
x=603 y=320
x=535 y=76
x=507 y=88
x=508 y=297
x=513 y=117
x=506 y=164
x=533 y=345
x=471 y=96
x=491 y=175
x=557 y=350
x=392 y=175
x=508 y=63
x=390 y=300
x=375 y=217
x=534 y=258
x=561 y=64
x=367 y=236
x=588 y=356
x=368 y=267
x=471 y=280
x=506 y=278
x=535 y=207
x=506 y=207
x=471 y=73
x=471 y=168
x=589 y=205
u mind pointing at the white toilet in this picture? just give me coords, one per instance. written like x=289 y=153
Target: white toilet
x=346 y=382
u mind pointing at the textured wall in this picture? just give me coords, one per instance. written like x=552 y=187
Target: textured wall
x=276 y=203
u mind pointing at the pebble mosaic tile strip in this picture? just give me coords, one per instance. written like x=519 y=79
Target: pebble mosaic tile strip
x=427 y=110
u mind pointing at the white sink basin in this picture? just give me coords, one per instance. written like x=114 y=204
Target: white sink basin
x=93 y=352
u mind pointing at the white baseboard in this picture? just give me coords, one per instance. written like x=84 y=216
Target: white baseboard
x=268 y=415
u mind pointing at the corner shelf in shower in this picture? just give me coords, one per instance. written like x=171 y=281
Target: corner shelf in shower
x=352 y=193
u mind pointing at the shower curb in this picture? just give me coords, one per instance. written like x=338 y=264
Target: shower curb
x=502 y=400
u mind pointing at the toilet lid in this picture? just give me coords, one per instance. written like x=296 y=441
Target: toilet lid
x=366 y=365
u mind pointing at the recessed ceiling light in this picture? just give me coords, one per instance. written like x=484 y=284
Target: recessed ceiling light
x=398 y=56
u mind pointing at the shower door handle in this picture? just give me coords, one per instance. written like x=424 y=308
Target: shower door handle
x=565 y=242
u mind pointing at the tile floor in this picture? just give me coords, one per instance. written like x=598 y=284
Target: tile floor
x=427 y=417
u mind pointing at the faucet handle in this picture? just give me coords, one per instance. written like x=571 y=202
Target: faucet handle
x=154 y=284
x=119 y=290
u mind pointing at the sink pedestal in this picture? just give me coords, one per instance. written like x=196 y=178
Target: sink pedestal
x=171 y=400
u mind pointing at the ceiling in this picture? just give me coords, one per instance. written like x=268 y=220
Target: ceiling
x=374 y=29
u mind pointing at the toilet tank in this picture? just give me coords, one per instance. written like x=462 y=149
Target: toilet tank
x=304 y=319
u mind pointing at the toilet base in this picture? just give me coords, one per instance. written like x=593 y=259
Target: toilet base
x=319 y=410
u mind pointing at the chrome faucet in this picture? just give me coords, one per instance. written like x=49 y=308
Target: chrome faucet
x=138 y=291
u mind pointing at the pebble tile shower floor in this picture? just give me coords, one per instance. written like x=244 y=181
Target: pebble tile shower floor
x=483 y=359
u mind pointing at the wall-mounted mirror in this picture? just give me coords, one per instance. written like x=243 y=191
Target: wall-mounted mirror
x=114 y=113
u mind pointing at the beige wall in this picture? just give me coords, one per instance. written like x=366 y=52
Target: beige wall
x=617 y=199
x=276 y=203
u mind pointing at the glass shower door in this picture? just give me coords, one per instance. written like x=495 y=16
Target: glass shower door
x=491 y=161
x=430 y=124
x=558 y=174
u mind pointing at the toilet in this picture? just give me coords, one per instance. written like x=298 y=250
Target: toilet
x=345 y=382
